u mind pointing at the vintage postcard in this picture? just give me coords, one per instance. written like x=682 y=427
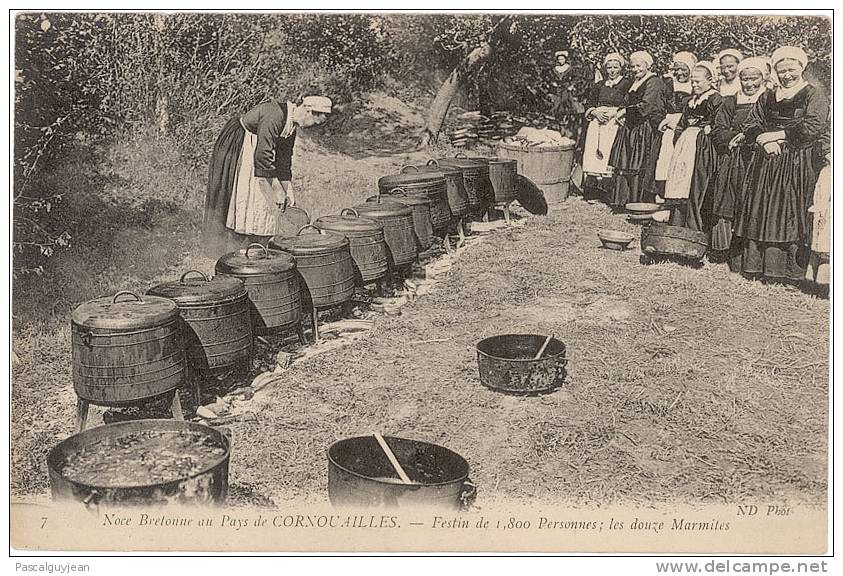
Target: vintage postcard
x=421 y=282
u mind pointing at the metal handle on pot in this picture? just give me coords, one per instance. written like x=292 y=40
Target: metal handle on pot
x=87 y=337
x=345 y=211
x=309 y=226
x=468 y=494
x=404 y=169
x=126 y=293
x=92 y=501
x=433 y=162
x=259 y=245
x=400 y=191
x=202 y=274
x=461 y=155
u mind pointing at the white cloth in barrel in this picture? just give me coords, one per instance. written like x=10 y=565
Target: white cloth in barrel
x=598 y=144
x=252 y=209
x=681 y=169
x=666 y=150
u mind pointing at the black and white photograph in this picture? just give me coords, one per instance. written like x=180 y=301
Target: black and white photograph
x=421 y=281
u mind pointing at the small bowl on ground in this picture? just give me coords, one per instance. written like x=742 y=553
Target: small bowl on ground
x=642 y=207
x=615 y=240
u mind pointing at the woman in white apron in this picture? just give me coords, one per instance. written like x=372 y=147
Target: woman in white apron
x=693 y=167
x=679 y=90
x=250 y=172
x=602 y=106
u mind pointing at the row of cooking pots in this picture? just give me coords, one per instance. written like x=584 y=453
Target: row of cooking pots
x=129 y=347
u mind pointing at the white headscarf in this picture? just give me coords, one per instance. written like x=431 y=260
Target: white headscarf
x=642 y=55
x=688 y=59
x=758 y=63
x=730 y=52
x=614 y=56
x=712 y=69
x=791 y=53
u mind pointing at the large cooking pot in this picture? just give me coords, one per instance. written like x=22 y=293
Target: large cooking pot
x=126 y=348
x=455 y=185
x=324 y=261
x=502 y=173
x=398 y=231
x=271 y=279
x=431 y=186
x=420 y=205
x=659 y=239
x=141 y=463
x=478 y=185
x=361 y=476
x=366 y=243
x=507 y=363
x=217 y=324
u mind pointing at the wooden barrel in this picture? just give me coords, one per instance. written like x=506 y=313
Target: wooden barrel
x=324 y=262
x=548 y=166
x=366 y=243
x=273 y=285
x=217 y=324
x=398 y=231
x=431 y=186
x=422 y=224
x=126 y=348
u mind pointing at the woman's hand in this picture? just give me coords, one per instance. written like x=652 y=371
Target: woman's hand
x=766 y=137
x=288 y=192
x=707 y=129
x=772 y=148
x=601 y=116
x=737 y=140
x=664 y=125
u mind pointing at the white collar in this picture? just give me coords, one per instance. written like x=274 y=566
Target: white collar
x=788 y=93
x=744 y=99
x=562 y=69
x=615 y=82
x=730 y=88
x=288 y=125
x=699 y=99
x=637 y=84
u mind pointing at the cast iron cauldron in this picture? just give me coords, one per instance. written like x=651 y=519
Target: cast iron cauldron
x=207 y=486
x=659 y=239
x=507 y=364
x=360 y=475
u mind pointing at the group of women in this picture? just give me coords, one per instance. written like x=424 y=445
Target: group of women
x=737 y=148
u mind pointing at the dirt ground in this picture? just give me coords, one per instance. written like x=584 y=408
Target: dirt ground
x=684 y=385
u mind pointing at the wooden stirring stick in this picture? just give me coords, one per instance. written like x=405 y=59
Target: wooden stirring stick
x=541 y=350
x=392 y=459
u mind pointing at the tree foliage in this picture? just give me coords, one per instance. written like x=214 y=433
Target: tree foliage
x=98 y=77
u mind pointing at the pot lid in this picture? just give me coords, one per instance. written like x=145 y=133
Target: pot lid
x=195 y=288
x=401 y=198
x=501 y=160
x=383 y=208
x=255 y=260
x=411 y=178
x=432 y=166
x=125 y=311
x=316 y=242
x=349 y=220
x=465 y=163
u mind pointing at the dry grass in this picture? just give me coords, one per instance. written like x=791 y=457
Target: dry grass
x=684 y=385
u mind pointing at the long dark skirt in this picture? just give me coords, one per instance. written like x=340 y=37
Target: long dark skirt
x=633 y=158
x=222 y=170
x=773 y=214
x=726 y=196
